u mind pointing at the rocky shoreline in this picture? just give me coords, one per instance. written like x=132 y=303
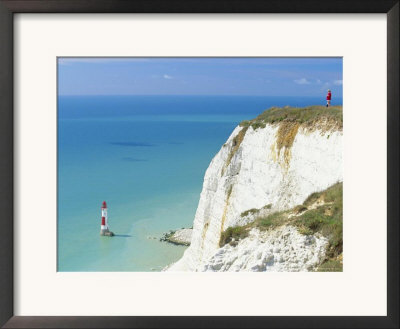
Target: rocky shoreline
x=180 y=237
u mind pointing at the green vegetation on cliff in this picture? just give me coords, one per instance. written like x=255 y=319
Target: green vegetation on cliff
x=308 y=116
x=321 y=213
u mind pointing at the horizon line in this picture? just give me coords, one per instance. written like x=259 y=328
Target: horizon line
x=251 y=95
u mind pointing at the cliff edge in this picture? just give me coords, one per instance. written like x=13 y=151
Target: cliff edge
x=268 y=165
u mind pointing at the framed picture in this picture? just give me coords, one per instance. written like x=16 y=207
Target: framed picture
x=196 y=164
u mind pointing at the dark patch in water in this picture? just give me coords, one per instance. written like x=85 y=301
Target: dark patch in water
x=132 y=144
x=175 y=143
x=129 y=159
x=123 y=235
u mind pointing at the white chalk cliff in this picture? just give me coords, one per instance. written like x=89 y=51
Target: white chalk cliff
x=272 y=168
x=281 y=250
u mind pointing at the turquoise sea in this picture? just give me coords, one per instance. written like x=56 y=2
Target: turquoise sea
x=146 y=156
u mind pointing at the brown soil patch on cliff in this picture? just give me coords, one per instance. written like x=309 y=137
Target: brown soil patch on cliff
x=226 y=208
x=285 y=137
x=236 y=141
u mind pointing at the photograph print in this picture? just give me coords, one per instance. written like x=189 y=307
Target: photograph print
x=200 y=164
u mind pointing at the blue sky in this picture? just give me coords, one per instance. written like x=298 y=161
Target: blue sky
x=200 y=76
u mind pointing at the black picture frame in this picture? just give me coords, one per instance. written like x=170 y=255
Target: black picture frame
x=10 y=7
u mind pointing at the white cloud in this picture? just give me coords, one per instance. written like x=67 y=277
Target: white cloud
x=319 y=81
x=166 y=76
x=302 y=81
x=337 y=82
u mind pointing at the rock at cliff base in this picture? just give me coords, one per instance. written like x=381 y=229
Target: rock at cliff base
x=178 y=237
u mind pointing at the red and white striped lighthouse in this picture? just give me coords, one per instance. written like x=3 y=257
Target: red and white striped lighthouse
x=104 y=230
x=104 y=219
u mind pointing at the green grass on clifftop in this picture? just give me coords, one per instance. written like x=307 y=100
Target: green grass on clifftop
x=308 y=116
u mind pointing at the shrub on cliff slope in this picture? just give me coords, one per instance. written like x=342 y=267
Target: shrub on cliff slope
x=232 y=234
x=327 y=217
x=320 y=213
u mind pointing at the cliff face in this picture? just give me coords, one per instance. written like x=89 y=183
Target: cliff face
x=271 y=167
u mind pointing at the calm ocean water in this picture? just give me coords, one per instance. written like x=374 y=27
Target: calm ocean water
x=146 y=156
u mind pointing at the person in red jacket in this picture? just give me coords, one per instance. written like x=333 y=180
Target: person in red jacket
x=328 y=98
